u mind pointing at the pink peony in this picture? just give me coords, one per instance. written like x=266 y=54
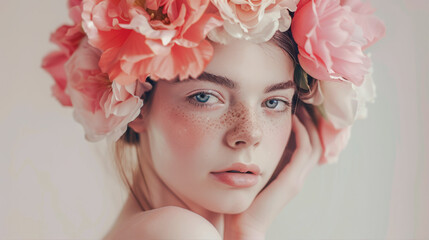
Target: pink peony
x=331 y=36
x=302 y=3
x=68 y=38
x=162 y=39
x=255 y=20
x=373 y=29
x=104 y=108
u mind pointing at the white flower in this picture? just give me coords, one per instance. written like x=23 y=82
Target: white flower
x=254 y=20
x=344 y=102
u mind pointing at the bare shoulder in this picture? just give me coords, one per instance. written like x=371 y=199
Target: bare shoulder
x=165 y=223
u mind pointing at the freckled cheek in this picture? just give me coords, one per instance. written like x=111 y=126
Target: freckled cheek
x=185 y=133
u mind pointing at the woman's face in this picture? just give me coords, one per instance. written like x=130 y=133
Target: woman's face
x=236 y=117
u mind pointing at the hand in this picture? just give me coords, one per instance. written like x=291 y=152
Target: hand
x=254 y=222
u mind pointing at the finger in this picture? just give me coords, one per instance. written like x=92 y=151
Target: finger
x=316 y=145
x=301 y=136
x=291 y=178
x=288 y=183
x=308 y=123
x=303 y=146
x=279 y=192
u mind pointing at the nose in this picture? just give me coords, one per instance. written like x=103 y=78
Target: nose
x=245 y=131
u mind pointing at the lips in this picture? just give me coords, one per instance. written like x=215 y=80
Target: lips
x=238 y=175
x=241 y=168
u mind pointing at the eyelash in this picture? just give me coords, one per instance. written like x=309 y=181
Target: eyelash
x=191 y=99
x=287 y=103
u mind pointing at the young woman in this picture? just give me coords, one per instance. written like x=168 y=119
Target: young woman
x=209 y=146
x=231 y=123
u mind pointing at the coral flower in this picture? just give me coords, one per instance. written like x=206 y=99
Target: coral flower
x=104 y=108
x=67 y=37
x=331 y=36
x=255 y=20
x=161 y=39
x=53 y=63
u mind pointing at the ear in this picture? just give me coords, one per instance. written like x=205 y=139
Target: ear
x=138 y=124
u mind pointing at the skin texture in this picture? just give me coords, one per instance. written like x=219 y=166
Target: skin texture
x=185 y=139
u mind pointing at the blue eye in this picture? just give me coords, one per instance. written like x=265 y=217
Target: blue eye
x=272 y=103
x=277 y=105
x=202 y=97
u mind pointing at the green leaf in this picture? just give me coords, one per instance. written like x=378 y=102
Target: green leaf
x=302 y=77
x=322 y=111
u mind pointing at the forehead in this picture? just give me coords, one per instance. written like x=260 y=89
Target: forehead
x=248 y=63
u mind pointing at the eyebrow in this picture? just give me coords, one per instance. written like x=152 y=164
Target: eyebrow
x=224 y=81
x=280 y=86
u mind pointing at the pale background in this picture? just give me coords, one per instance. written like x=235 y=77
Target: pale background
x=55 y=185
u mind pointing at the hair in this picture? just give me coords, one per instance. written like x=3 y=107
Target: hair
x=126 y=151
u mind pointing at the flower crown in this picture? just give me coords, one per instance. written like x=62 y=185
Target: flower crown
x=113 y=46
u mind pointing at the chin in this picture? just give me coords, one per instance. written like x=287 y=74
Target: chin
x=236 y=209
x=232 y=204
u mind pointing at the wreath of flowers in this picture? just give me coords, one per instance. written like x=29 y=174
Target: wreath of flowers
x=113 y=46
